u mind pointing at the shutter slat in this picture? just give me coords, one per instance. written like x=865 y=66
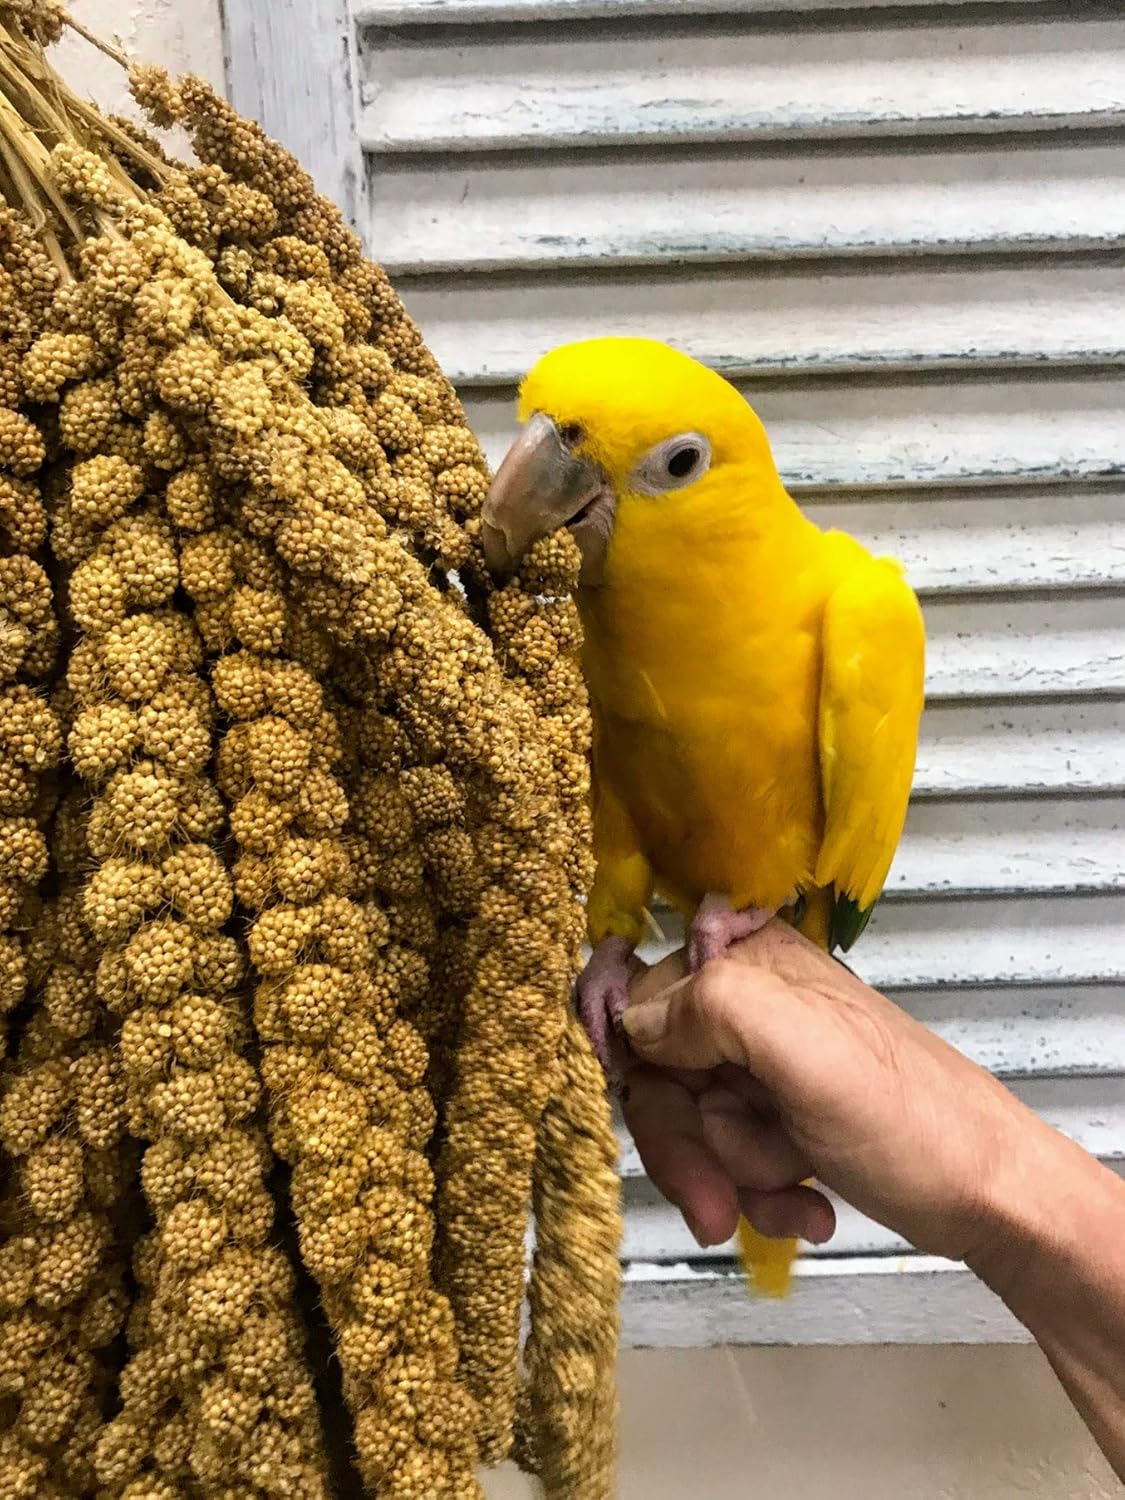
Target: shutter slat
x=1026 y=645
x=1024 y=1033
x=747 y=205
x=1011 y=846
x=871 y=433
x=750 y=324
x=464 y=12
x=1056 y=537
x=1037 y=748
x=860 y=1300
x=679 y=82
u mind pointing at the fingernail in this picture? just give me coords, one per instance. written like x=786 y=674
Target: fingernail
x=646 y=1023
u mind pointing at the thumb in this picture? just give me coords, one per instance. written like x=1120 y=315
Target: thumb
x=730 y=1012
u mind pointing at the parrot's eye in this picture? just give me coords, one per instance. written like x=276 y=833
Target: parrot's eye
x=571 y=435
x=672 y=464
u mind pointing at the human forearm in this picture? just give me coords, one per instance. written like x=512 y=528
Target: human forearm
x=777 y=1064
x=1057 y=1258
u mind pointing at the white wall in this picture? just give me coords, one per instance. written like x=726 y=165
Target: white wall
x=833 y=1424
x=185 y=35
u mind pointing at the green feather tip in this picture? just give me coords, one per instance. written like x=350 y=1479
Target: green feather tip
x=848 y=922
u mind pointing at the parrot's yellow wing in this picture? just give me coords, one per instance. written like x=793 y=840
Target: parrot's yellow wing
x=870 y=704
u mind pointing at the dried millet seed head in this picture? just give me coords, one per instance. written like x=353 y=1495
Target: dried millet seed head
x=53 y=361
x=190 y=499
x=160 y=959
x=209 y=565
x=119 y=895
x=22 y=449
x=90 y=414
x=197 y=886
x=137 y=812
x=190 y=1106
x=23 y=519
x=103 y=488
x=52 y=1180
x=99 y=598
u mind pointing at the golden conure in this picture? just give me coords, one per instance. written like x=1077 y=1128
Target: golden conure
x=756 y=682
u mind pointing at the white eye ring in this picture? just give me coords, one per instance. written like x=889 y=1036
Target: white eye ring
x=672 y=464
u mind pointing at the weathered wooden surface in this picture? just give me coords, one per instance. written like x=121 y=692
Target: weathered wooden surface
x=749 y=204
x=1011 y=539
x=757 y=322
x=1035 y=747
x=972 y=848
x=290 y=66
x=678 y=81
x=461 y=12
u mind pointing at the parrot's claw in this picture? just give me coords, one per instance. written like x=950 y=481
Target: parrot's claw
x=716 y=925
x=603 y=994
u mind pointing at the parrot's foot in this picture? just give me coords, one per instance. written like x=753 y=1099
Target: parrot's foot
x=716 y=925
x=603 y=995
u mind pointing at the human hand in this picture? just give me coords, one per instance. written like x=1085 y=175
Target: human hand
x=776 y=1064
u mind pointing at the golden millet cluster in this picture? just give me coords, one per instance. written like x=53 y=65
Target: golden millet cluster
x=293 y=848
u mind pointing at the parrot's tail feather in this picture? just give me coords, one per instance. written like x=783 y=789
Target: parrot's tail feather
x=768 y=1263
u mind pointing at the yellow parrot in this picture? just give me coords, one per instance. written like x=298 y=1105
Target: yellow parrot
x=756 y=683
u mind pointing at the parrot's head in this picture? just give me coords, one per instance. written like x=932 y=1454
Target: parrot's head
x=615 y=431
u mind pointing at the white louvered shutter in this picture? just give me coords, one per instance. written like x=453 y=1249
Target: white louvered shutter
x=900 y=228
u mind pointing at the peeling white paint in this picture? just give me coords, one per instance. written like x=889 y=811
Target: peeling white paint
x=461 y=12
x=955 y=849
x=1056 y=537
x=1031 y=645
x=677 y=83
x=1035 y=747
x=747 y=204
x=291 y=67
x=184 y=38
x=755 y=321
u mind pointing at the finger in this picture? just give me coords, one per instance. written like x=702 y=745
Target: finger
x=654 y=979
x=799 y=1213
x=793 y=957
x=744 y=1086
x=729 y=1013
x=665 y=1124
x=696 y=1080
x=754 y=1151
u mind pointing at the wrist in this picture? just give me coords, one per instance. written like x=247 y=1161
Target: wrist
x=1049 y=1200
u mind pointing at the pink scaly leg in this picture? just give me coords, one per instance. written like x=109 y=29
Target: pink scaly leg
x=603 y=994
x=716 y=925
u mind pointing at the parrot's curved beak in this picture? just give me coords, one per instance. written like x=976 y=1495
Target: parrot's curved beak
x=539 y=487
